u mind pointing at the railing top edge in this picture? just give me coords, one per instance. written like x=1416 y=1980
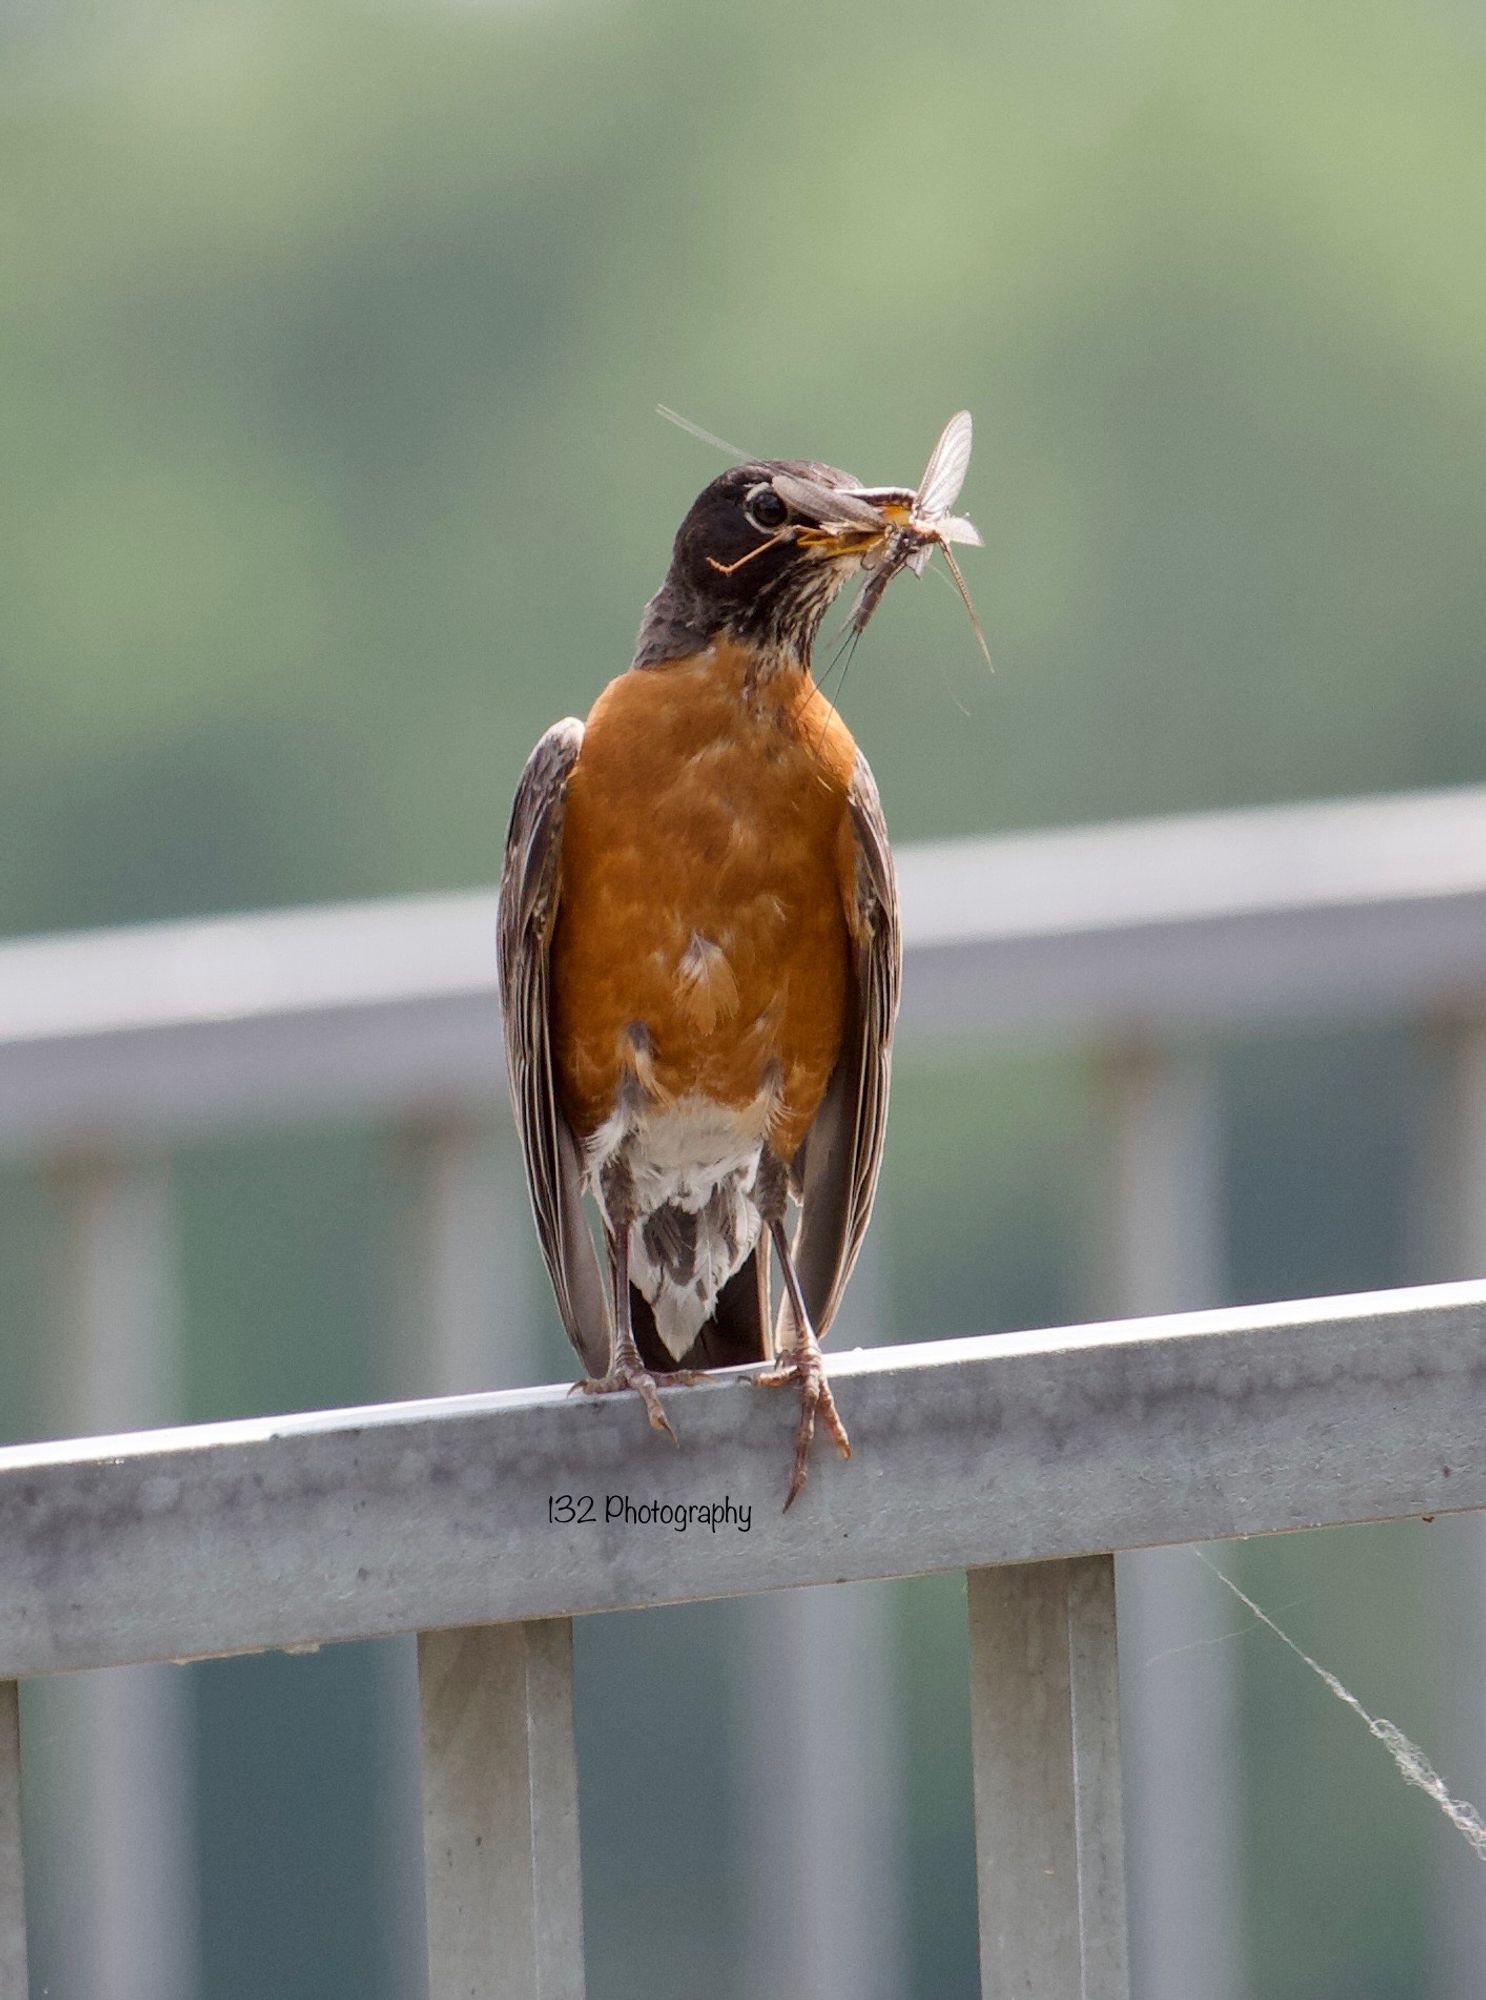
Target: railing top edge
x=252 y=966
x=1023 y=887
x=1135 y=1337
x=1199 y=867
x=356 y=1524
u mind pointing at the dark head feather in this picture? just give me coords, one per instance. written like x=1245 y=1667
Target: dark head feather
x=741 y=569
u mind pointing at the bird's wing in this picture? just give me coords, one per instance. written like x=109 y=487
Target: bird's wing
x=837 y=1177
x=529 y=889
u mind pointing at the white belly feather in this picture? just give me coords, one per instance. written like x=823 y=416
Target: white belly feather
x=692 y=1166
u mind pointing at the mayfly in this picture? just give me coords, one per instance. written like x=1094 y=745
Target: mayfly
x=926 y=525
x=919 y=520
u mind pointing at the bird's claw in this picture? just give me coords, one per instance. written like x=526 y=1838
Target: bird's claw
x=630 y=1375
x=807 y=1369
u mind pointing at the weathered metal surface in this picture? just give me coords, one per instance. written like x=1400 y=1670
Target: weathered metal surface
x=380 y=1008
x=1045 y=1739
x=500 y=1813
x=1020 y=1448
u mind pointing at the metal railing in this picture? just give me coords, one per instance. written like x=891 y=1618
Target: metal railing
x=1135 y=941
x=1022 y=1458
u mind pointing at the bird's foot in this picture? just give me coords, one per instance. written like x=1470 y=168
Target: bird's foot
x=630 y=1374
x=804 y=1366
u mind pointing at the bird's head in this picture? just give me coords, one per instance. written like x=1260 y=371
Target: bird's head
x=760 y=555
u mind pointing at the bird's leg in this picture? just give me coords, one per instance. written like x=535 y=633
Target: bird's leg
x=626 y=1369
x=801 y=1360
x=765 y=1293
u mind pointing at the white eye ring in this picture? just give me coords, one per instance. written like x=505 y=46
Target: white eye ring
x=764 y=494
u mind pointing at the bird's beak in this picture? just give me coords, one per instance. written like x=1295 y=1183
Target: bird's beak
x=844 y=521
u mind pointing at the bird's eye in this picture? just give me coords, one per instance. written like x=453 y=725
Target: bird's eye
x=765 y=509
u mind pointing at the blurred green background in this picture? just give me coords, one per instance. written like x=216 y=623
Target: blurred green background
x=330 y=335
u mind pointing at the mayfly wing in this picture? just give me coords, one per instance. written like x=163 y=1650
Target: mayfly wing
x=826 y=504
x=944 y=474
x=955 y=528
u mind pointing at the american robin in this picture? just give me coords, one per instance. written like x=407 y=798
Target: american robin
x=700 y=960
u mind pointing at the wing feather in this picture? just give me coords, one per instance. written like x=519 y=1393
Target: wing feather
x=531 y=882
x=837 y=1177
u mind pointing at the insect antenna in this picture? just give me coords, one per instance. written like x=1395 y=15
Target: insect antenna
x=846 y=643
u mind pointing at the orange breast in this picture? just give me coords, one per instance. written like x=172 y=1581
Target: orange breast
x=701 y=945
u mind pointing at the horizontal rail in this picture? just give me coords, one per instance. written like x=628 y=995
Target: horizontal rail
x=1018 y=1448
x=1357 y=907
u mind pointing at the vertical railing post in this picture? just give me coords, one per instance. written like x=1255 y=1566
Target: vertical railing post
x=822 y=1796
x=1450 y=1197
x=123 y=1736
x=12 y=1864
x=1450 y=1244
x=500 y=1813
x=1045 y=1738
x=1158 y=1248
x=463 y=1323
x=821 y=1765
x=1158 y=1229
x=465 y=1318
